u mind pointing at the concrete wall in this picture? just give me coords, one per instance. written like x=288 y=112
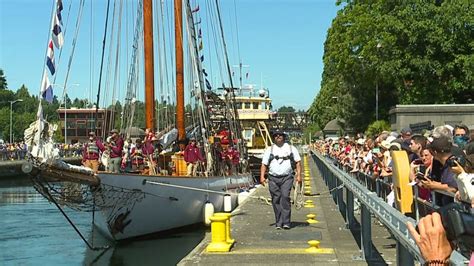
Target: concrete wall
x=439 y=114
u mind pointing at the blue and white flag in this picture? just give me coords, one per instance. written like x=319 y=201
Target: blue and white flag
x=208 y=85
x=57 y=34
x=46 y=88
x=50 y=58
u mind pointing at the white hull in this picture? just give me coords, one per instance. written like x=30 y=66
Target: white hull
x=160 y=207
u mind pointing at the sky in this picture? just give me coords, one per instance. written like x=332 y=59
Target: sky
x=280 y=42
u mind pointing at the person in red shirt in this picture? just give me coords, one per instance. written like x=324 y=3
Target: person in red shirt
x=137 y=156
x=116 y=146
x=231 y=159
x=90 y=154
x=192 y=157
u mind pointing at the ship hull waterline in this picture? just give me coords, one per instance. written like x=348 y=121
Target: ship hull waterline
x=166 y=202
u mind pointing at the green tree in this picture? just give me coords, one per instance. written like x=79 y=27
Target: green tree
x=286 y=109
x=414 y=52
x=3 y=81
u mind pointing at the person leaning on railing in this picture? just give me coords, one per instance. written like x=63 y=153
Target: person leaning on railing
x=440 y=147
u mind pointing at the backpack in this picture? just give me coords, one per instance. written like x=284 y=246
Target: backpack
x=290 y=157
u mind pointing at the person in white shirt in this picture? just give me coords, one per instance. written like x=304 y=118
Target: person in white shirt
x=283 y=163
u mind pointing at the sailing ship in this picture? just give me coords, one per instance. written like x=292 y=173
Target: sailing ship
x=128 y=205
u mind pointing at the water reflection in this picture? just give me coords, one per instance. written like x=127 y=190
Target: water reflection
x=33 y=232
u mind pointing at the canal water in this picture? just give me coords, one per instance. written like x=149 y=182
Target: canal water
x=34 y=232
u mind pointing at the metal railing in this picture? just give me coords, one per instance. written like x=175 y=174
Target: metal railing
x=372 y=204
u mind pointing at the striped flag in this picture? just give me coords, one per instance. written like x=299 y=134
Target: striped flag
x=50 y=58
x=46 y=88
x=195 y=10
x=57 y=34
x=208 y=85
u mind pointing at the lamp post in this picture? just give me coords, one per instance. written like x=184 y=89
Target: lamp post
x=11 y=117
x=379 y=45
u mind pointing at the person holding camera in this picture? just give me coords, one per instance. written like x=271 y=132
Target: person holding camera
x=420 y=170
x=465 y=179
x=440 y=147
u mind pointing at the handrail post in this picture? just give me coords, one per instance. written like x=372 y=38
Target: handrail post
x=349 y=209
x=404 y=258
x=366 y=232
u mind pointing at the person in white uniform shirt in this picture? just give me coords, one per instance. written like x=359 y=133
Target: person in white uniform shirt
x=278 y=159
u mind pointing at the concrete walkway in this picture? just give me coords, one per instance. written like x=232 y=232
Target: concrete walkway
x=259 y=243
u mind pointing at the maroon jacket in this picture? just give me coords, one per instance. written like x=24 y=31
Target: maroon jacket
x=192 y=154
x=116 y=148
x=89 y=151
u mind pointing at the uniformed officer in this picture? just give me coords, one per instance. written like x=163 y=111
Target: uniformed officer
x=279 y=159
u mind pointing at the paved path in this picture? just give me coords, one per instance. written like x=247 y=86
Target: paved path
x=259 y=243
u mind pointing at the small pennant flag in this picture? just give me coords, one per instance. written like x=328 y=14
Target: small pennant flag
x=195 y=10
x=208 y=85
x=46 y=88
x=50 y=58
x=59 y=8
x=200 y=45
x=247 y=75
x=199 y=22
x=202 y=58
x=57 y=34
x=204 y=72
x=199 y=33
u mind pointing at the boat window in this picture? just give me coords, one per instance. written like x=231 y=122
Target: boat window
x=247 y=105
x=255 y=106
x=248 y=134
x=238 y=105
x=264 y=106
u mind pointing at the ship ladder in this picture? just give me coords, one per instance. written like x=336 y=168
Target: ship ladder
x=262 y=127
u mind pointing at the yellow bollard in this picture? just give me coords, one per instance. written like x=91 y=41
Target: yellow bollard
x=218 y=235
x=228 y=238
x=314 y=246
x=308 y=204
x=311 y=219
x=307 y=187
x=307 y=183
x=307 y=192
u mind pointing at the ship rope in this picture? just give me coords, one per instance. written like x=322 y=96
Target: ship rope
x=298 y=199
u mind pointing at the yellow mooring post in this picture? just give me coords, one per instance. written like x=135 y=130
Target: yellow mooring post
x=308 y=204
x=314 y=247
x=228 y=237
x=311 y=219
x=218 y=235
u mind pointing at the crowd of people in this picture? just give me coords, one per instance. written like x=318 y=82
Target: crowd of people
x=19 y=150
x=437 y=158
x=440 y=160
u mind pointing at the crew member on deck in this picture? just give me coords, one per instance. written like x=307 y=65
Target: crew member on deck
x=192 y=157
x=231 y=159
x=116 y=146
x=279 y=159
x=136 y=156
x=90 y=154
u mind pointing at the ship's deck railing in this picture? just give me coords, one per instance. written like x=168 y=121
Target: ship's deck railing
x=372 y=204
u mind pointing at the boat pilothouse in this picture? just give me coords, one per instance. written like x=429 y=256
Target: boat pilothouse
x=253 y=106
